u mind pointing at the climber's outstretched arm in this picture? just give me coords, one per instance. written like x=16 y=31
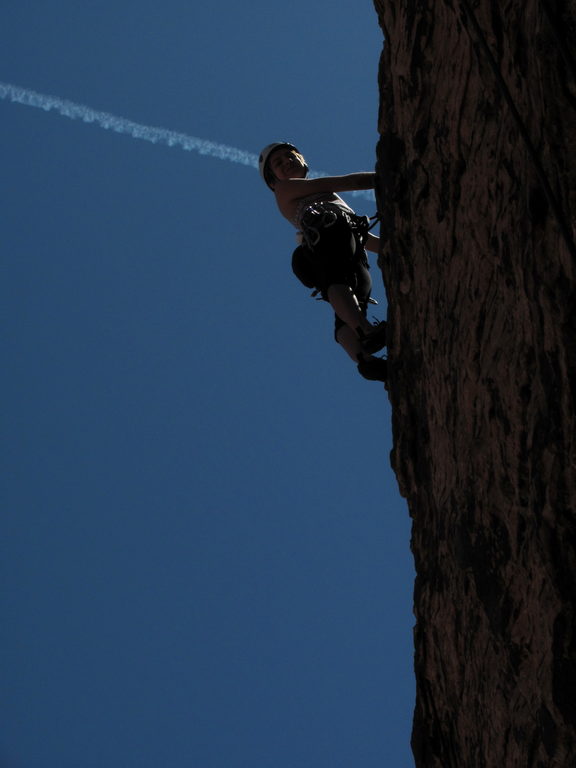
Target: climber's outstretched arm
x=292 y=189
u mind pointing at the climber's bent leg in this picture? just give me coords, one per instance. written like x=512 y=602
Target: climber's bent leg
x=370 y=367
x=346 y=306
x=349 y=341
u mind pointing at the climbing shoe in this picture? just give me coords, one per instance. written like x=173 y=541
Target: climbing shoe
x=375 y=340
x=374 y=369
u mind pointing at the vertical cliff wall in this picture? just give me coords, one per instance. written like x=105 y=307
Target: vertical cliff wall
x=476 y=186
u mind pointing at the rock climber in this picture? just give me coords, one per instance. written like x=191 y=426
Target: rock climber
x=331 y=257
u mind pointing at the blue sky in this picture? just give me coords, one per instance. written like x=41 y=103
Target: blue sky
x=205 y=556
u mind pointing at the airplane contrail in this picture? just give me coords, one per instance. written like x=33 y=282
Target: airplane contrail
x=155 y=135
x=121 y=125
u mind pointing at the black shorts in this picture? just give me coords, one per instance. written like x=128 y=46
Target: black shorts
x=334 y=254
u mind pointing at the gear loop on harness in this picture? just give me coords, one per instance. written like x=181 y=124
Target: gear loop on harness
x=323 y=215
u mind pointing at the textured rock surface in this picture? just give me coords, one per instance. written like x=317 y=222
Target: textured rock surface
x=477 y=187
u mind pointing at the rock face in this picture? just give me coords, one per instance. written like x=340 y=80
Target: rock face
x=477 y=190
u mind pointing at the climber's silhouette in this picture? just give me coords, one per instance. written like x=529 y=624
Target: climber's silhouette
x=331 y=257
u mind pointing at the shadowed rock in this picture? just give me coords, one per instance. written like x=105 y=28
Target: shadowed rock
x=476 y=186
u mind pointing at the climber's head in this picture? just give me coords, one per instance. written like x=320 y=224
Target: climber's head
x=281 y=160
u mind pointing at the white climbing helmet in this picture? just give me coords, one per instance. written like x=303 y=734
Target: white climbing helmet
x=266 y=174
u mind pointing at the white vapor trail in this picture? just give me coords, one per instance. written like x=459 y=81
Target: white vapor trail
x=122 y=125
x=110 y=122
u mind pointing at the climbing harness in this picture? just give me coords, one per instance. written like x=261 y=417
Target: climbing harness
x=323 y=215
x=315 y=219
